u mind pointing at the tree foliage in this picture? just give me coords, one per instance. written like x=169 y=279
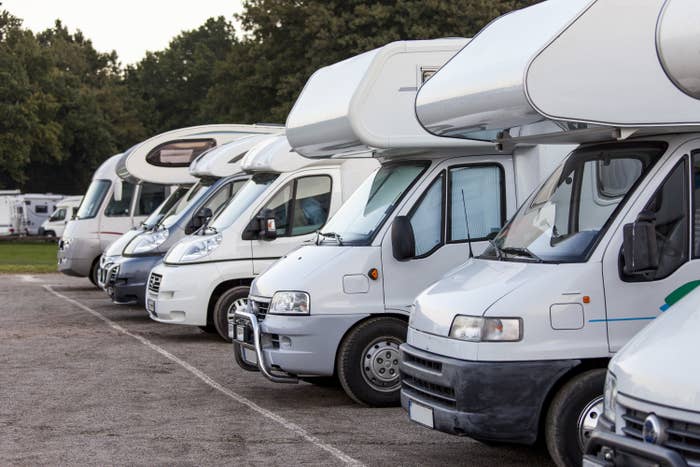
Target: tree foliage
x=65 y=107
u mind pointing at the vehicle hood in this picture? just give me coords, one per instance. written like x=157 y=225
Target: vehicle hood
x=470 y=290
x=116 y=248
x=298 y=269
x=658 y=365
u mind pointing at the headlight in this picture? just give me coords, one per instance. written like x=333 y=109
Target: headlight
x=478 y=329
x=290 y=303
x=147 y=242
x=198 y=249
x=610 y=395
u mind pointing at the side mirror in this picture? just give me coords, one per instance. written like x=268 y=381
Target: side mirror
x=202 y=216
x=639 y=248
x=118 y=189
x=403 y=241
x=261 y=227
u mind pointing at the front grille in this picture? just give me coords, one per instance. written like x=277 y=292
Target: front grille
x=154 y=282
x=259 y=307
x=443 y=395
x=113 y=273
x=682 y=436
x=429 y=365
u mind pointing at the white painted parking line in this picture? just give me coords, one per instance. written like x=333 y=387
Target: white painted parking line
x=293 y=427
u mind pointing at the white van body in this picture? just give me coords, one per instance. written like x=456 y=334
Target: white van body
x=354 y=281
x=519 y=338
x=119 y=199
x=652 y=408
x=65 y=210
x=33 y=209
x=8 y=200
x=227 y=255
x=126 y=264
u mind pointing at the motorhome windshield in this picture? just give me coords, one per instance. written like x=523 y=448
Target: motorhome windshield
x=252 y=189
x=93 y=199
x=565 y=218
x=157 y=215
x=366 y=210
x=172 y=214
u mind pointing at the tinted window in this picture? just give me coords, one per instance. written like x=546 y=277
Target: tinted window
x=476 y=201
x=179 y=153
x=426 y=219
x=41 y=209
x=151 y=197
x=58 y=215
x=122 y=207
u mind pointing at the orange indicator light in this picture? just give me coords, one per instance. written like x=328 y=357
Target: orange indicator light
x=373 y=274
x=586 y=299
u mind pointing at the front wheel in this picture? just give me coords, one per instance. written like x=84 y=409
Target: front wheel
x=228 y=303
x=94 y=272
x=368 y=361
x=572 y=417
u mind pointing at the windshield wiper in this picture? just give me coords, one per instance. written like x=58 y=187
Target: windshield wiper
x=332 y=235
x=499 y=252
x=521 y=251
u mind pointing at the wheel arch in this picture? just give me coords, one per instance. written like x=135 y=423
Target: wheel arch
x=400 y=316
x=220 y=289
x=581 y=367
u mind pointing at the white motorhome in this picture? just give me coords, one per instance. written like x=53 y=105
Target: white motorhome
x=66 y=209
x=514 y=344
x=287 y=199
x=8 y=200
x=116 y=200
x=340 y=305
x=651 y=410
x=32 y=209
x=126 y=264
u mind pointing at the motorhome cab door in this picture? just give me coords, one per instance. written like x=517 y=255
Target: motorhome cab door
x=669 y=199
x=465 y=197
x=300 y=207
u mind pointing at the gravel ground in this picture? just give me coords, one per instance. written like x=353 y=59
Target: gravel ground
x=83 y=381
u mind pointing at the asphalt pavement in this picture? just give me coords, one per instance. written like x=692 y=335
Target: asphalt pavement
x=84 y=381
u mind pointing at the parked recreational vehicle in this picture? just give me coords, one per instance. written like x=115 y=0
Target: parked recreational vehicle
x=651 y=412
x=125 y=268
x=518 y=339
x=118 y=200
x=340 y=305
x=287 y=199
x=8 y=200
x=66 y=209
x=33 y=210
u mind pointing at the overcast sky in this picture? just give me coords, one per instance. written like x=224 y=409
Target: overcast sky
x=131 y=27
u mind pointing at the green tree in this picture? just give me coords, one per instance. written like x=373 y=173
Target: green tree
x=172 y=83
x=286 y=41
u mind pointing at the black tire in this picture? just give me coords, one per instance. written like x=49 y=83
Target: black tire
x=209 y=329
x=50 y=233
x=322 y=381
x=239 y=359
x=219 y=317
x=566 y=410
x=94 y=271
x=382 y=334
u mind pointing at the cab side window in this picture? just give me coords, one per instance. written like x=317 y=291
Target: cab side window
x=220 y=198
x=122 y=207
x=669 y=206
x=301 y=206
x=476 y=201
x=427 y=218
x=151 y=197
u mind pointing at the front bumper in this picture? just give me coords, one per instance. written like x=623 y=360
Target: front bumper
x=125 y=278
x=290 y=346
x=182 y=296
x=494 y=401
x=607 y=449
x=76 y=259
